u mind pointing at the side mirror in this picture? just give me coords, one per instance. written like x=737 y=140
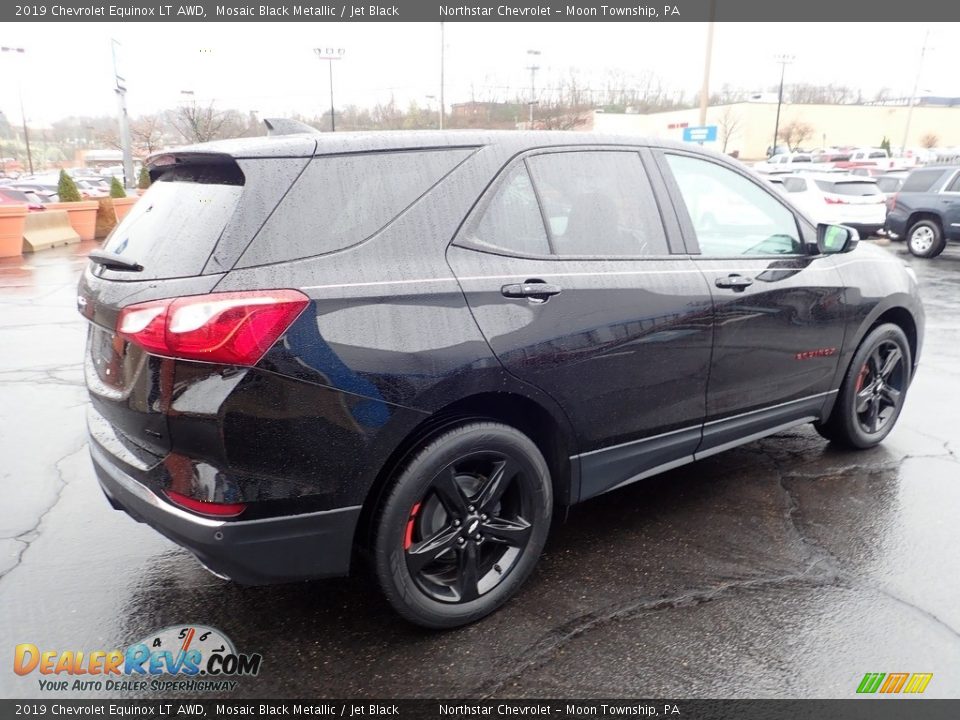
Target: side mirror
x=833 y=239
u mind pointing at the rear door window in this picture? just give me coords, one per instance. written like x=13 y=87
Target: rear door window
x=598 y=203
x=512 y=219
x=340 y=201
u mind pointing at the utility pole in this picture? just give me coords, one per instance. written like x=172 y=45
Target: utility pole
x=330 y=54
x=443 y=49
x=784 y=60
x=125 y=143
x=913 y=95
x=23 y=115
x=705 y=88
x=533 y=67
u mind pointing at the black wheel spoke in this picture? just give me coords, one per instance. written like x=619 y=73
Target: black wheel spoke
x=873 y=416
x=863 y=399
x=890 y=363
x=876 y=362
x=890 y=394
x=422 y=553
x=511 y=532
x=449 y=492
x=494 y=486
x=468 y=573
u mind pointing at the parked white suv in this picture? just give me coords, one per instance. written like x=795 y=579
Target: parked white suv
x=839 y=200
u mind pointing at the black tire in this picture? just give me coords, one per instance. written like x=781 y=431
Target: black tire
x=925 y=239
x=872 y=393
x=441 y=551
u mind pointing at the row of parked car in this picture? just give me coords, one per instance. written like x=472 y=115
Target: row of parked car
x=920 y=205
x=39 y=189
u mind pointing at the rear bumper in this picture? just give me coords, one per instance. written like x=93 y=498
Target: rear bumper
x=254 y=552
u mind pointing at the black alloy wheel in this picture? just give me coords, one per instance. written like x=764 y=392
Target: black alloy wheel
x=873 y=390
x=464 y=525
x=879 y=387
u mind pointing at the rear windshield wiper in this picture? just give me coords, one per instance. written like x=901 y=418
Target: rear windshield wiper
x=112 y=261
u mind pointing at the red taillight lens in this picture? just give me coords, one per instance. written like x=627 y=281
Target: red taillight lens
x=233 y=328
x=834 y=200
x=213 y=509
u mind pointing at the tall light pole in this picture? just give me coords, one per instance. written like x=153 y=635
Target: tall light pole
x=913 y=95
x=125 y=143
x=23 y=115
x=705 y=88
x=443 y=49
x=784 y=60
x=533 y=67
x=330 y=54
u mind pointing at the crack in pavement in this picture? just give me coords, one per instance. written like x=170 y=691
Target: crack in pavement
x=541 y=651
x=27 y=537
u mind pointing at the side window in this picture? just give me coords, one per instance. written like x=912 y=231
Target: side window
x=955 y=185
x=732 y=215
x=512 y=219
x=794 y=184
x=598 y=203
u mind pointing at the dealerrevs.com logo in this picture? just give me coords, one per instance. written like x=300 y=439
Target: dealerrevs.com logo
x=177 y=658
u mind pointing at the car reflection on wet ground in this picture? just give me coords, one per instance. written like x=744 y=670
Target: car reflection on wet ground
x=783 y=568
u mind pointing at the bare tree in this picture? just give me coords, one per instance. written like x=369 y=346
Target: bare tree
x=198 y=123
x=794 y=132
x=729 y=123
x=147 y=133
x=930 y=140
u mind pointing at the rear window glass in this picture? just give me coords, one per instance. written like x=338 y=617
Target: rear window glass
x=921 y=180
x=794 y=184
x=340 y=201
x=889 y=184
x=175 y=225
x=856 y=189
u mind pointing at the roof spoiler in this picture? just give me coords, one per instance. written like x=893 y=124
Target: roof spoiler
x=286 y=126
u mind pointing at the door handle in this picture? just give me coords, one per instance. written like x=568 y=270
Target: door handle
x=737 y=283
x=534 y=290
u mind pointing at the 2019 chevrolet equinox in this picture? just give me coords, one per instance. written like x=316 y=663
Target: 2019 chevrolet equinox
x=421 y=345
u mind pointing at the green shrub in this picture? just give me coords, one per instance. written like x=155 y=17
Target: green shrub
x=67 y=188
x=143 y=182
x=886 y=144
x=116 y=189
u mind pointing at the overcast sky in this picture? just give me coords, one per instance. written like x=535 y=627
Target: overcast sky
x=270 y=67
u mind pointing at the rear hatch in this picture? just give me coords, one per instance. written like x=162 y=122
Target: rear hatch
x=861 y=199
x=182 y=235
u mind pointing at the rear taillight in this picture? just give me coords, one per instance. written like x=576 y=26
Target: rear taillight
x=892 y=202
x=213 y=509
x=232 y=328
x=834 y=200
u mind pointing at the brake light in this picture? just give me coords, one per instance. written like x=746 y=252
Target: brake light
x=202 y=507
x=232 y=328
x=834 y=200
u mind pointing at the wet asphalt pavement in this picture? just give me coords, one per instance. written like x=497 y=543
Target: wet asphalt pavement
x=784 y=568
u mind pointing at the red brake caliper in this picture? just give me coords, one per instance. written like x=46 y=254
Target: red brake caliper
x=861 y=377
x=408 y=537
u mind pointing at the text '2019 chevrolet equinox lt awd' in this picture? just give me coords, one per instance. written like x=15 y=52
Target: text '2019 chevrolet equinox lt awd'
x=419 y=346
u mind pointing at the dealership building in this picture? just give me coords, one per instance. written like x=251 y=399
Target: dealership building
x=747 y=128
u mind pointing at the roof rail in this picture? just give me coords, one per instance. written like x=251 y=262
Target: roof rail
x=286 y=126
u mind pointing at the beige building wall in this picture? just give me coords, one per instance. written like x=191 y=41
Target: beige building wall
x=750 y=125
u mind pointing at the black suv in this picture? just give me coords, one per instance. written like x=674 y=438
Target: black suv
x=411 y=349
x=926 y=210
